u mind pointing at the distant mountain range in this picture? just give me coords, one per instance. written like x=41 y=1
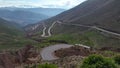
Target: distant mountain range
x=46 y=11
x=26 y=16
x=22 y=17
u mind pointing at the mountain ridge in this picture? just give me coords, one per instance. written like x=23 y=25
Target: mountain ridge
x=101 y=13
x=22 y=17
x=101 y=19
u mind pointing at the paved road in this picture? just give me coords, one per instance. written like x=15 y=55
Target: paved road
x=103 y=30
x=44 y=29
x=47 y=53
x=79 y=25
x=49 y=30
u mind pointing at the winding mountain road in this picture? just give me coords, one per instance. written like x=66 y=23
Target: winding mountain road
x=79 y=25
x=44 y=29
x=49 y=30
x=47 y=53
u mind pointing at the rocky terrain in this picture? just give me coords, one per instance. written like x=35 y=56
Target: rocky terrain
x=26 y=55
x=75 y=50
x=67 y=62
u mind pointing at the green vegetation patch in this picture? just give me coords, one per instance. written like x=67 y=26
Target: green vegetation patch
x=72 y=39
x=117 y=59
x=44 y=66
x=90 y=38
x=98 y=61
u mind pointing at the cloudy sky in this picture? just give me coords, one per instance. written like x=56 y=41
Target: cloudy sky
x=66 y=4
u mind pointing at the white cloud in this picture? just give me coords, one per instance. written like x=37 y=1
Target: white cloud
x=42 y=3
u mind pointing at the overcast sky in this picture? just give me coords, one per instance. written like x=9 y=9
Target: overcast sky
x=66 y=4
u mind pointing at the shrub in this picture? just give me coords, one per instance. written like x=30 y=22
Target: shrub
x=47 y=66
x=117 y=59
x=97 y=61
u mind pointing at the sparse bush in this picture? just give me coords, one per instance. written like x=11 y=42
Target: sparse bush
x=117 y=59
x=97 y=61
